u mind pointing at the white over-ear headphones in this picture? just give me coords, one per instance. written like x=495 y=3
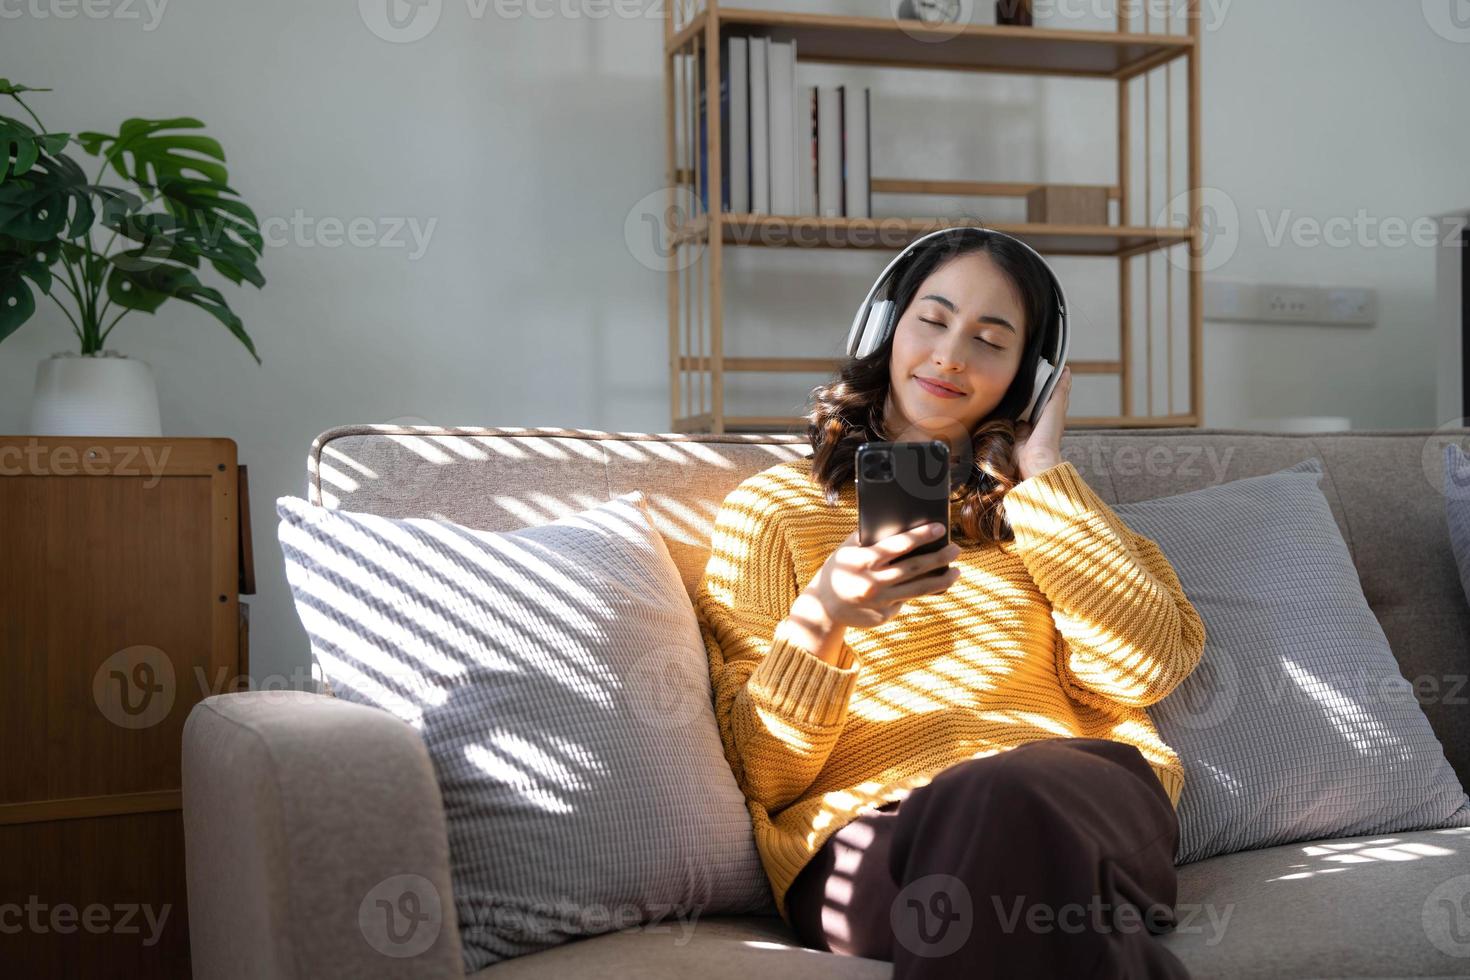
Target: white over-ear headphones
x=875 y=321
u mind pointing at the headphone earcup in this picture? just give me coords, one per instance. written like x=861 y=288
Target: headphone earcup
x=875 y=330
x=1044 y=371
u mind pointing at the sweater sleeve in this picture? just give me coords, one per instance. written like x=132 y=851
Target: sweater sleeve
x=1126 y=632
x=780 y=707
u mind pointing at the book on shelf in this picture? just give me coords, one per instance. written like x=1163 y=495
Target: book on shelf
x=787 y=149
x=783 y=119
x=844 y=152
x=829 y=151
x=760 y=160
x=857 y=151
x=737 y=121
x=808 y=152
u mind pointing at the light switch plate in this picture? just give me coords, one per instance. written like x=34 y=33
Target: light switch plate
x=1283 y=303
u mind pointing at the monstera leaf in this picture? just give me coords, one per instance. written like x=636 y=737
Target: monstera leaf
x=198 y=222
x=136 y=284
x=19 y=261
x=44 y=198
x=21 y=147
x=157 y=156
x=50 y=199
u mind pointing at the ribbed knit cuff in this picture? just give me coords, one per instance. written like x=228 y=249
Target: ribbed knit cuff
x=1046 y=503
x=1173 y=784
x=801 y=687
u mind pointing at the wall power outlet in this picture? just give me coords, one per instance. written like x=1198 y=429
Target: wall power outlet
x=1279 y=303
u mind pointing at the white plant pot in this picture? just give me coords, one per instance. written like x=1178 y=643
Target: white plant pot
x=94 y=395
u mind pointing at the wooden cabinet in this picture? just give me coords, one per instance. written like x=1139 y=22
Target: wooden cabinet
x=120 y=577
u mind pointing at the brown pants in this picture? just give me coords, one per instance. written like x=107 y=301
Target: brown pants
x=1052 y=859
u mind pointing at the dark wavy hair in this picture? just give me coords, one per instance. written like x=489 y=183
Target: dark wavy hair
x=848 y=410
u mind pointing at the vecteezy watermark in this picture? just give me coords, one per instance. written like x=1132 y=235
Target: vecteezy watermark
x=134 y=688
x=1221 y=229
x=1446 y=916
x=1438 y=458
x=1363 y=687
x=86 y=9
x=1211 y=692
x=1450 y=19
x=937 y=428
x=667 y=687
x=222 y=681
x=958 y=14
x=1206 y=697
x=1101 y=916
x=932 y=916
x=64 y=918
x=137 y=686
x=162 y=231
x=401 y=916
x=362 y=231
x=815 y=232
x=657 y=230
x=662 y=233
x=1218 y=220
x=38 y=458
x=405 y=21
x=1173 y=461
x=1362 y=230
x=400 y=21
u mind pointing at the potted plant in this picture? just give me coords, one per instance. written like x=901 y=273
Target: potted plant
x=177 y=212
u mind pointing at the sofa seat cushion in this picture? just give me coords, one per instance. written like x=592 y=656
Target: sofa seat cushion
x=723 y=947
x=1385 y=905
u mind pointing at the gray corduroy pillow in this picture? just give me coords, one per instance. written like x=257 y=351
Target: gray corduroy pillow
x=559 y=679
x=1457 y=508
x=1297 y=724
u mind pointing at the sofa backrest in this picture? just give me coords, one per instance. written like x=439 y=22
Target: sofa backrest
x=1385 y=489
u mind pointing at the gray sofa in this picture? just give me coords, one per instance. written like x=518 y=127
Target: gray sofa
x=299 y=806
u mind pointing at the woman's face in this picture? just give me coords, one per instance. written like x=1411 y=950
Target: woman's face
x=965 y=329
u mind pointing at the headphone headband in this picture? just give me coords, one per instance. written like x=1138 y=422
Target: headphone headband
x=875 y=321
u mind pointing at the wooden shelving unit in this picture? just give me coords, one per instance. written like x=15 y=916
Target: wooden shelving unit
x=1124 y=56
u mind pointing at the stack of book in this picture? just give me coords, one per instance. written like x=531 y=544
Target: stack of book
x=786 y=149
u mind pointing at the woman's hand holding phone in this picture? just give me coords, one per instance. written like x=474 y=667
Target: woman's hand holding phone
x=867 y=586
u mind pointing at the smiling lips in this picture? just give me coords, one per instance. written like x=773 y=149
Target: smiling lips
x=936 y=389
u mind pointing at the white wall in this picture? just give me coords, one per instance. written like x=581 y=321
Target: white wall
x=527 y=141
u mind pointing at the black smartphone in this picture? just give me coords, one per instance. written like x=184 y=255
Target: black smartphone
x=901 y=486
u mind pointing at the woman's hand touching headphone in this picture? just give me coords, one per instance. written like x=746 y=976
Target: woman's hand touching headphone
x=1040 y=448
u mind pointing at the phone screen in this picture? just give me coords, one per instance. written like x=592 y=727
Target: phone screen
x=901 y=486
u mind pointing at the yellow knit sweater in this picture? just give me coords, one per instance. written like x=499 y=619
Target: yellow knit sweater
x=1069 y=630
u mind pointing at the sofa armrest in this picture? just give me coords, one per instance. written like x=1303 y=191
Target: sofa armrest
x=314 y=842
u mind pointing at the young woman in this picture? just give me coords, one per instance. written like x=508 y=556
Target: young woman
x=952 y=768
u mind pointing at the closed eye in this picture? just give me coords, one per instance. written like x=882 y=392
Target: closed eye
x=981 y=339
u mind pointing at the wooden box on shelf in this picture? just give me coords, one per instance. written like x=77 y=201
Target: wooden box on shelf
x=120 y=580
x=1067 y=204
